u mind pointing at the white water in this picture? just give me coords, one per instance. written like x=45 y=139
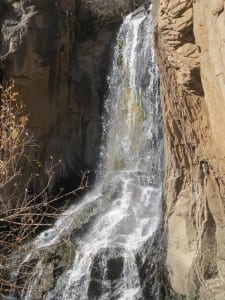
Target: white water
x=123 y=210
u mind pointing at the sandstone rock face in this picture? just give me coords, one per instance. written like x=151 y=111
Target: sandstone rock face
x=190 y=43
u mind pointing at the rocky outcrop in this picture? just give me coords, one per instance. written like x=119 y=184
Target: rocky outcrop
x=58 y=53
x=191 y=50
x=108 y=9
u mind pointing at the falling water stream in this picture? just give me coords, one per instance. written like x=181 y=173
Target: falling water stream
x=120 y=214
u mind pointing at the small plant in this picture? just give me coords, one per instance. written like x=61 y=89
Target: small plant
x=121 y=44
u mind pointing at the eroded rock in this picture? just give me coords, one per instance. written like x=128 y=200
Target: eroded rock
x=190 y=48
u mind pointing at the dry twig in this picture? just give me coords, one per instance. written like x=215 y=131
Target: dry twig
x=22 y=210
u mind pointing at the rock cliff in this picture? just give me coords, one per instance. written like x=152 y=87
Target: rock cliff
x=190 y=47
x=58 y=53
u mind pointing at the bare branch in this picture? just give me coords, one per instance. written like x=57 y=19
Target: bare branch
x=22 y=211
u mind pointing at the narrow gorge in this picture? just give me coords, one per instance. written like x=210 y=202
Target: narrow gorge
x=134 y=92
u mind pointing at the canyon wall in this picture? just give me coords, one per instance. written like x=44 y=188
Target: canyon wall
x=58 y=54
x=190 y=44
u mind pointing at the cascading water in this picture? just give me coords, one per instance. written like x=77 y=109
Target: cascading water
x=119 y=216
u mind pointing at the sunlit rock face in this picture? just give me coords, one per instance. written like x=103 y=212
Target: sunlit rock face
x=57 y=51
x=189 y=42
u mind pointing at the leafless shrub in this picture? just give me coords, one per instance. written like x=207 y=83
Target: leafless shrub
x=22 y=211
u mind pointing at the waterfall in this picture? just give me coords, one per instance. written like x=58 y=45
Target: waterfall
x=113 y=222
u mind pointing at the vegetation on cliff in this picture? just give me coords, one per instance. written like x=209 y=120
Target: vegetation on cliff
x=25 y=201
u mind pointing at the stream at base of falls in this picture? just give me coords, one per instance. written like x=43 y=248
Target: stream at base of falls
x=112 y=225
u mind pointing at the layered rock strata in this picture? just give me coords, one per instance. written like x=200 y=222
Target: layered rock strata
x=190 y=47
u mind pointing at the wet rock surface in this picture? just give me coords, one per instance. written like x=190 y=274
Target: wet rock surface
x=44 y=268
